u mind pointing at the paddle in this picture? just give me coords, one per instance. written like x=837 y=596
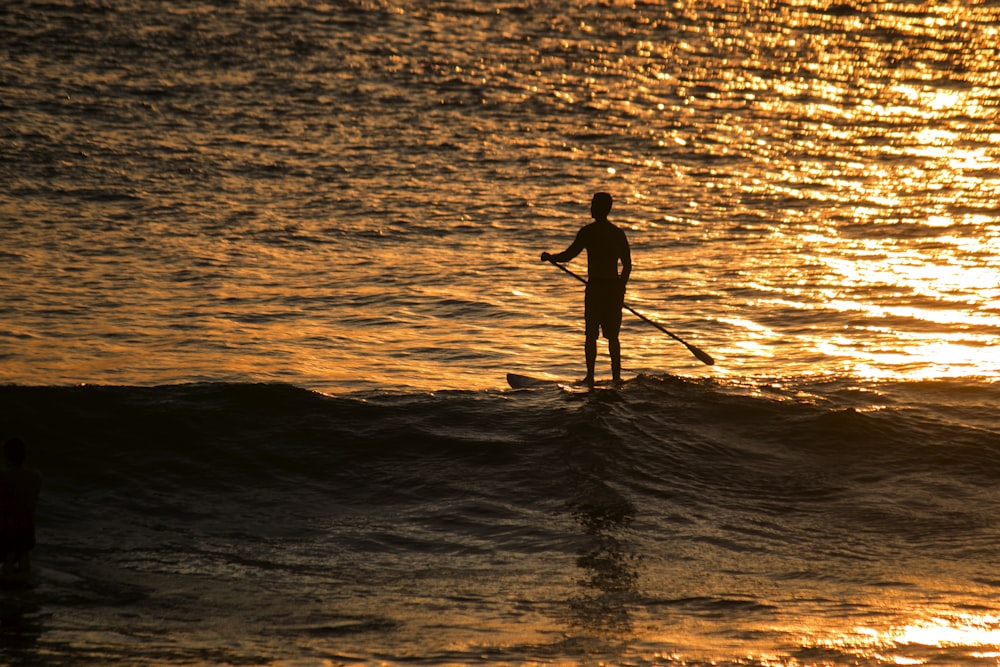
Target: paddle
x=702 y=356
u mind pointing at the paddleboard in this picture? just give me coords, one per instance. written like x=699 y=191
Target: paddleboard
x=517 y=381
x=600 y=385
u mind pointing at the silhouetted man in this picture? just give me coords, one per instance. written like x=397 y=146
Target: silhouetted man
x=19 y=488
x=606 y=246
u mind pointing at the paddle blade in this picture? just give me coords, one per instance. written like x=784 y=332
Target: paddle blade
x=702 y=356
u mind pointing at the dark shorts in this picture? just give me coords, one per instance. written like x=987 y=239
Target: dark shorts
x=602 y=311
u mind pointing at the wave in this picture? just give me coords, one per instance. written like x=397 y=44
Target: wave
x=698 y=442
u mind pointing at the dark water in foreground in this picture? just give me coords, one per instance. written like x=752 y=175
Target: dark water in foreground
x=670 y=522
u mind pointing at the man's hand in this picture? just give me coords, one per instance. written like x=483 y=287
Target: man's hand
x=546 y=257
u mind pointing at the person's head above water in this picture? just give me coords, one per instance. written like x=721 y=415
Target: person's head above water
x=600 y=206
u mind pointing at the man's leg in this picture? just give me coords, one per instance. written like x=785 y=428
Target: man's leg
x=590 y=349
x=612 y=326
x=615 y=350
x=592 y=324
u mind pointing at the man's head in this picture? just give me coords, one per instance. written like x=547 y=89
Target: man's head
x=600 y=206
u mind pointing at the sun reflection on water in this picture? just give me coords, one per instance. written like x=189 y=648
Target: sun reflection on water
x=965 y=630
x=975 y=636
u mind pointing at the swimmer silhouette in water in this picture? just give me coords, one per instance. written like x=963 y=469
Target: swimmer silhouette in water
x=606 y=246
x=19 y=489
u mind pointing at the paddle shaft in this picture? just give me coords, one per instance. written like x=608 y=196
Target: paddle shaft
x=700 y=354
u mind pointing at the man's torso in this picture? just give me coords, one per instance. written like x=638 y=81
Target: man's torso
x=606 y=245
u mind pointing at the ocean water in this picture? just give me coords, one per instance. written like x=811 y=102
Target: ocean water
x=266 y=265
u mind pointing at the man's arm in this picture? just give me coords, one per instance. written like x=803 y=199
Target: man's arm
x=574 y=249
x=626 y=260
